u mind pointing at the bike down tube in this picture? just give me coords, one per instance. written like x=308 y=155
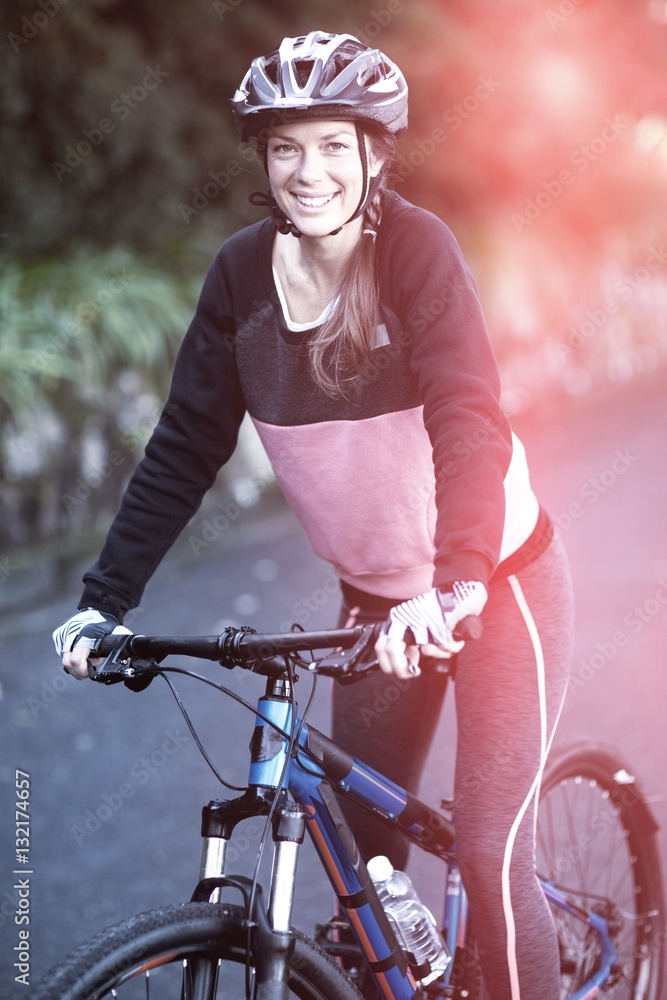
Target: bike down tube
x=334 y=843
x=429 y=829
x=607 y=949
x=334 y=840
x=351 y=883
x=330 y=833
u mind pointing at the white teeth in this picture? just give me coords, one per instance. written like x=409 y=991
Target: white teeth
x=314 y=202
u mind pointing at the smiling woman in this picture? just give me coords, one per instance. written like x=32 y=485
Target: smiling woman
x=288 y=105
x=317 y=180
x=348 y=326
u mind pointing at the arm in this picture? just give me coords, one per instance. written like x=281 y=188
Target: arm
x=434 y=295
x=196 y=434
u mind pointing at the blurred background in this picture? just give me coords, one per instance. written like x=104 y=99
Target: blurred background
x=538 y=132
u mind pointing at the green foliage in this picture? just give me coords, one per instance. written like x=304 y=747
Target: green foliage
x=77 y=323
x=112 y=114
x=88 y=344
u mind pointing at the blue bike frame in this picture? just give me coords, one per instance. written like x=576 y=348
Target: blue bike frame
x=319 y=765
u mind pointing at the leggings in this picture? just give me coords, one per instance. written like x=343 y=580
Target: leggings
x=509 y=691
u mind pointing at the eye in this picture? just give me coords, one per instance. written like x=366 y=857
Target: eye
x=337 y=147
x=282 y=147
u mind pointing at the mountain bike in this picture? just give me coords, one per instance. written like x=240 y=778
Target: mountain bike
x=597 y=858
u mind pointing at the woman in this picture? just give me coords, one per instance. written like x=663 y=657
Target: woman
x=349 y=328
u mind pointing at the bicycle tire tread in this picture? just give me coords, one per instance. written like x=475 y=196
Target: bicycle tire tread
x=205 y=924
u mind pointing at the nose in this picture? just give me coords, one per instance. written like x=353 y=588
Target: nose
x=310 y=168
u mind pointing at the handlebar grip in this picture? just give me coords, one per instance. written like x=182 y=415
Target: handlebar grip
x=470 y=627
x=108 y=643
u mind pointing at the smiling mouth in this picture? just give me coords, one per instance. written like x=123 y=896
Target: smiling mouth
x=314 y=202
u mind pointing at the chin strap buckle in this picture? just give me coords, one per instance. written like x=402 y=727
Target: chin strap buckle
x=263 y=199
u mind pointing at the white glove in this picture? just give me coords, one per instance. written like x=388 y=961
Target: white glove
x=429 y=619
x=82 y=630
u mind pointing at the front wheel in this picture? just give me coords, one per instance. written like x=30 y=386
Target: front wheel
x=196 y=951
x=596 y=840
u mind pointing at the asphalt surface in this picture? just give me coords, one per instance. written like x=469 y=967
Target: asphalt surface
x=116 y=780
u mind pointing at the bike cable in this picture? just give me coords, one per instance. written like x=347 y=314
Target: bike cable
x=195 y=735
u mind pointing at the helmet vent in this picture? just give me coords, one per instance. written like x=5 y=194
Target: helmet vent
x=303 y=69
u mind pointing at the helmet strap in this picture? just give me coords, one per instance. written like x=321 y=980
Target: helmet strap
x=283 y=224
x=369 y=186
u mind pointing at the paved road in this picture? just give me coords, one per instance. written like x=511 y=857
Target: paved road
x=116 y=780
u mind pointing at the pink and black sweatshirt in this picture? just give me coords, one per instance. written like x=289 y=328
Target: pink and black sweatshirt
x=412 y=478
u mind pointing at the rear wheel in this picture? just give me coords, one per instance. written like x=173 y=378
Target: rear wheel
x=596 y=840
x=192 y=952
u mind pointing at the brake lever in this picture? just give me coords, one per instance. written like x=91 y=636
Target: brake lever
x=346 y=665
x=358 y=672
x=134 y=672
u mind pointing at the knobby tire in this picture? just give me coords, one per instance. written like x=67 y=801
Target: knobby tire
x=182 y=943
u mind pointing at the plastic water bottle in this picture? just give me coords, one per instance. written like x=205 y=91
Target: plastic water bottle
x=413 y=924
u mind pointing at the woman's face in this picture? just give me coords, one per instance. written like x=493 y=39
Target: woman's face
x=315 y=173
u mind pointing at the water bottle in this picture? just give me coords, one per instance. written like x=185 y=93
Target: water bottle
x=413 y=924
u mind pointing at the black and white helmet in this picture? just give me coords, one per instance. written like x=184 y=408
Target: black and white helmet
x=321 y=75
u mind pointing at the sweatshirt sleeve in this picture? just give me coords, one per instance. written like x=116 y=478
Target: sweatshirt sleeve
x=459 y=385
x=195 y=436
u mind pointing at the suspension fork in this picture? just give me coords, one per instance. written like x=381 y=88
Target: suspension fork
x=272 y=937
x=289 y=825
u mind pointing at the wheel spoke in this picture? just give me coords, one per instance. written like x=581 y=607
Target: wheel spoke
x=602 y=858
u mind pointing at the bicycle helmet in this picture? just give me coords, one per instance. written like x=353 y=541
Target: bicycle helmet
x=321 y=75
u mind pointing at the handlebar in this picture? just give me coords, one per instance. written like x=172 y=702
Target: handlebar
x=128 y=656
x=232 y=642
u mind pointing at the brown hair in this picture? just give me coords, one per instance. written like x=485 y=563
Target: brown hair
x=340 y=348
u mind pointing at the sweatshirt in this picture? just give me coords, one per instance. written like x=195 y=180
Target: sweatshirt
x=411 y=478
